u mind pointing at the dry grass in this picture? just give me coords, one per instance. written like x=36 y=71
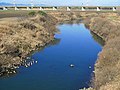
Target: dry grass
x=107 y=67
x=19 y=37
x=10 y=13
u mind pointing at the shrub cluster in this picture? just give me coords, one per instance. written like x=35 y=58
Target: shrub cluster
x=33 y=13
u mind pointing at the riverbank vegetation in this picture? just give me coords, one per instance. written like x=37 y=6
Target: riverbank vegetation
x=20 y=37
x=107 y=67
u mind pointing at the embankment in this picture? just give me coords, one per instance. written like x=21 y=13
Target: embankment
x=107 y=67
x=21 y=36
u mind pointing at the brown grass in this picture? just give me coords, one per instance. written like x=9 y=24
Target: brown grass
x=20 y=36
x=107 y=69
x=10 y=13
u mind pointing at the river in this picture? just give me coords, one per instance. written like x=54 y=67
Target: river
x=52 y=70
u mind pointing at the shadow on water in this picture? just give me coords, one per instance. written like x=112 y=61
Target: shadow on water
x=94 y=35
x=98 y=38
x=29 y=61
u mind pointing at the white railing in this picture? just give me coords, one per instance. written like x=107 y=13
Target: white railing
x=67 y=8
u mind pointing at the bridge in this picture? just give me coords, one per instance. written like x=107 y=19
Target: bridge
x=62 y=8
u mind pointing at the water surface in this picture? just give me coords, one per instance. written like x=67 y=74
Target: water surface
x=75 y=45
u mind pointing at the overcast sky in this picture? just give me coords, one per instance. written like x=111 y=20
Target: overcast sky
x=68 y=2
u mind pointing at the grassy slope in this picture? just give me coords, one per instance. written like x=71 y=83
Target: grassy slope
x=107 y=67
x=18 y=37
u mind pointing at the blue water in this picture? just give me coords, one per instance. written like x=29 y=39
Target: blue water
x=75 y=45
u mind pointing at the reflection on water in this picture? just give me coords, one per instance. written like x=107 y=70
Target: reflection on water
x=98 y=39
x=95 y=36
x=28 y=62
x=56 y=41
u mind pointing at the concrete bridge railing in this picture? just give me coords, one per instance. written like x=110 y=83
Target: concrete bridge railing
x=63 y=8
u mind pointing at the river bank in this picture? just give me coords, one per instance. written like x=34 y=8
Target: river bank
x=107 y=70
x=20 y=36
x=23 y=37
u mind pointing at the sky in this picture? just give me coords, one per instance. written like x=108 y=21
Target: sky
x=68 y=2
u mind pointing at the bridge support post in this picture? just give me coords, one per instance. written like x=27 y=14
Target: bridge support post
x=83 y=9
x=16 y=8
x=98 y=8
x=114 y=9
x=4 y=8
x=54 y=8
x=41 y=8
x=68 y=9
x=28 y=8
